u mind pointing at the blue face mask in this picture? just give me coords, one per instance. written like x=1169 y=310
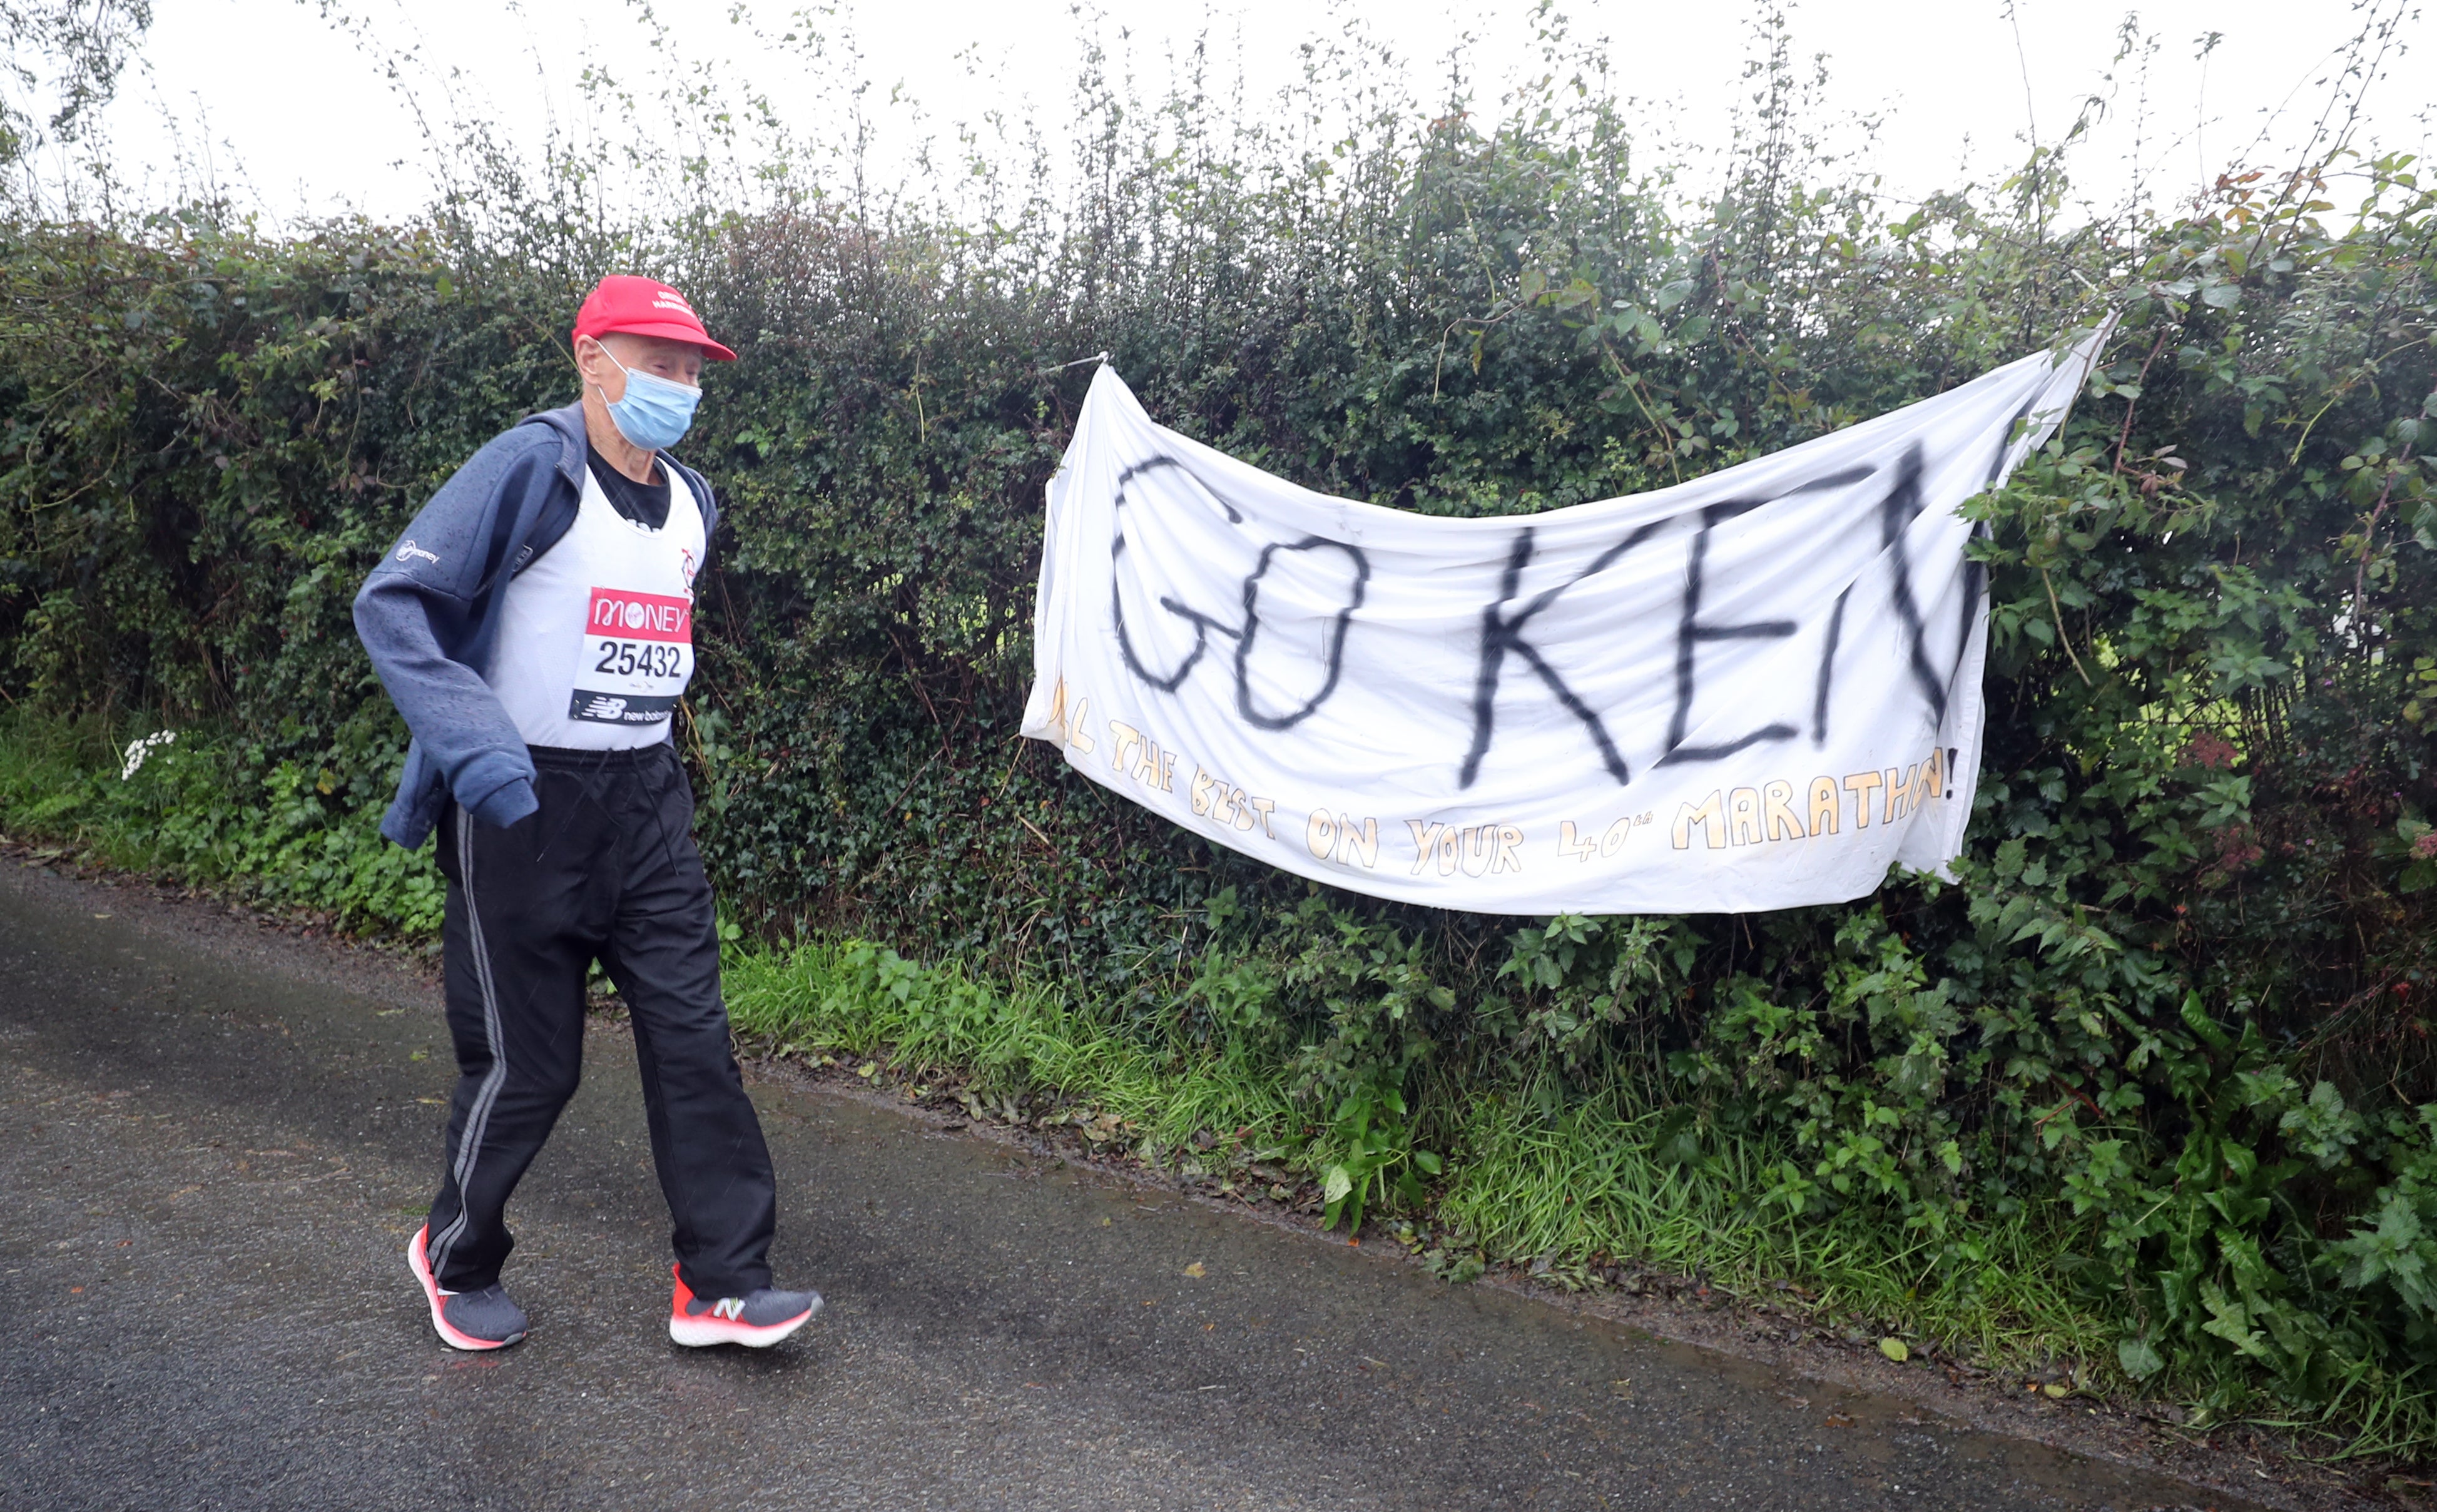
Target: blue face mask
x=655 y=413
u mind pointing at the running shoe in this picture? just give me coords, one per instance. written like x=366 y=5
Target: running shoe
x=756 y=1322
x=487 y=1319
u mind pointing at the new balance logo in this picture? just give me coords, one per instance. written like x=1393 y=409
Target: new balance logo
x=730 y=1308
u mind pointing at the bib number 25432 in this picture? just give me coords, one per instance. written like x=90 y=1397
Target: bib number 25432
x=638 y=653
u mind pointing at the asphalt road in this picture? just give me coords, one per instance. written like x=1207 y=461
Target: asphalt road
x=214 y=1144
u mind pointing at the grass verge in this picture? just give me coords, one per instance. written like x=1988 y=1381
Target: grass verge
x=933 y=1021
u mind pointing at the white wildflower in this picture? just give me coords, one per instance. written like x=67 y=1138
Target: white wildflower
x=138 y=750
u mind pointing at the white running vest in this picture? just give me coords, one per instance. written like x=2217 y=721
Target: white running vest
x=596 y=638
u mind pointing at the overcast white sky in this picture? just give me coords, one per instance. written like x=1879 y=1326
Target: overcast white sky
x=296 y=117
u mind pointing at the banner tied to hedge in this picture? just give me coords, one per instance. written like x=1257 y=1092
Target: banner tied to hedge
x=1754 y=691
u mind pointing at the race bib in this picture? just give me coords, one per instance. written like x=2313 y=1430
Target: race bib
x=638 y=653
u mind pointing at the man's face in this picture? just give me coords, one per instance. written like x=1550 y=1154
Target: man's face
x=677 y=362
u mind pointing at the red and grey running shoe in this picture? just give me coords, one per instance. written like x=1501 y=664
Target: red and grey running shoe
x=487 y=1319
x=756 y=1322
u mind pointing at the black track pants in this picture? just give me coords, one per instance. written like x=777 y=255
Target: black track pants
x=605 y=869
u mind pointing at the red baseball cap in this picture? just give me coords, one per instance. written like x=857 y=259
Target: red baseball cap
x=641 y=306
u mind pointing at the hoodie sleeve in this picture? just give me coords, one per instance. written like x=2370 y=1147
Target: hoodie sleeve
x=426 y=595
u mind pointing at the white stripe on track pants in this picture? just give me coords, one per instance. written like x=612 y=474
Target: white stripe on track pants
x=606 y=868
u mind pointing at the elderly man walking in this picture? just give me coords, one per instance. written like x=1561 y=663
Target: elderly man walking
x=534 y=626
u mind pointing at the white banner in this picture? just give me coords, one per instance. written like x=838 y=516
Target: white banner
x=1754 y=691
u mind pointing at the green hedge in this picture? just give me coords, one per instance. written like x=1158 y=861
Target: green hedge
x=2152 y=1079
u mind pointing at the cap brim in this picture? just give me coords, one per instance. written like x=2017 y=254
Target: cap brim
x=673 y=332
